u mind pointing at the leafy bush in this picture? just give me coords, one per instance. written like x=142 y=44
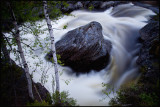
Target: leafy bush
x=64 y=99
x=148 y=99
x=127 y=95
x=135 y=94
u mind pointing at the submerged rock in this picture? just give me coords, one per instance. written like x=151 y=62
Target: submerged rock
x=84 y=48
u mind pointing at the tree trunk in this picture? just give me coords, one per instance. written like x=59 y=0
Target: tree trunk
x=52 y=45
x=17 y=37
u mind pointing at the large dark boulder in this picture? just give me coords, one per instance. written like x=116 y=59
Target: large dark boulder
x=149 y=54
x=149 y=35
x=97 y=5
x=150 y=31
x=84 y=48
x=14 y=89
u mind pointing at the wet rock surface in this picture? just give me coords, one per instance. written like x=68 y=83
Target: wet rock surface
x=149 y=54
x=14 y=90
x=84 y=48
x=152 y=6
x=97 y=5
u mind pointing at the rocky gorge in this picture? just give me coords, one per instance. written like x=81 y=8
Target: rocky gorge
x=149 y=54
x=122 y=41
x=146 y=91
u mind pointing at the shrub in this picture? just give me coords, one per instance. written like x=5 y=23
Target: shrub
x=148 y=99
x=64 y=99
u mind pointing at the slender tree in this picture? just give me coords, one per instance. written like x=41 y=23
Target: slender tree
x=52 y=45
x=18 y=41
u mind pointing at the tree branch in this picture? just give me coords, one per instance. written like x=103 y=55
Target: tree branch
x=27 y=46
x=8 y=42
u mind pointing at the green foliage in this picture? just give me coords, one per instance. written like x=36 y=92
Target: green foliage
x=126 y=95
x=135 y=94
x=67 y=82
x=58 y=59
x=65 y=4
x=65 y=26
x=108 y=89
x=64 y=99
x=54 y=6
x=148 y=99
x=48 y=98
x=91 y=7
x=36 y=103
x=27 y=10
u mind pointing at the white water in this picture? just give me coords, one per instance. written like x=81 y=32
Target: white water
x=120 y=26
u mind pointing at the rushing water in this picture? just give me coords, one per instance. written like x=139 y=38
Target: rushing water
x=121 y=26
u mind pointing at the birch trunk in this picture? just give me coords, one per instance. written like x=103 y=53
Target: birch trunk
x=52 y=45
x=17 y=37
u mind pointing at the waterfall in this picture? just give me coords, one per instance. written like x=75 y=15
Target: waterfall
x=121 y=25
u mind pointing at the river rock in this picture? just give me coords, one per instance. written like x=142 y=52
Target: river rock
x=150 y=31
x=68 y=9
x=78 y=5
x=97 y=5
x=84 y=48
x=145 y=4
x=149 y=34
x=149 y=52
